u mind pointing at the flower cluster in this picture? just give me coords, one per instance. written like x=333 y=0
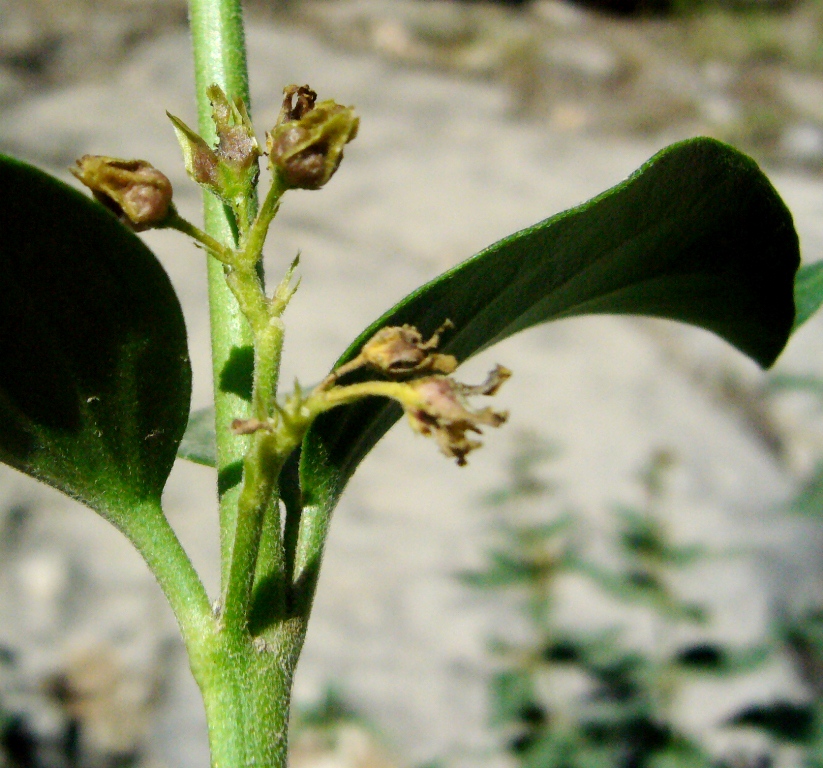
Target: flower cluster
x=230 y=170
x=305 y=148
x=435 y=405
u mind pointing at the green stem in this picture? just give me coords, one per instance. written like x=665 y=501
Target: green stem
x=247 y=288
x=220 y=57
x=261 y=468
x=267 y=367
x=257 y=234
x=322 y=400
x=218 y=250
x=148 y=529
x=247 y=689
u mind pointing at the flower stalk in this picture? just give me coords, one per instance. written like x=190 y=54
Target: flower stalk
x=244 y=648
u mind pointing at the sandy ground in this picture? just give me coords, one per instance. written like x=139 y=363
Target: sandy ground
x=439 y=170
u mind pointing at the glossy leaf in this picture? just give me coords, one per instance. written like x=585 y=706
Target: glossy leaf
x=94 y=370
x=698 y=235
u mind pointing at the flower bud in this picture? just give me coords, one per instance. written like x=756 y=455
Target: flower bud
x=199 y=158
x=401 y=349
x=134 y=190
x=398 y=351
x=306 y=144
x=230 y=170
x=237 y=145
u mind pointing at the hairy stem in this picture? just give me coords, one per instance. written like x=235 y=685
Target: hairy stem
x=261 y=468
x=260 y=228
x=148 y=529
x=219 y=47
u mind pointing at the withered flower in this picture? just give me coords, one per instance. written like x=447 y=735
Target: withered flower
x=230 y=170
x=306 y=144
x=401 y=350
x=439 y=409
x=134 y=190
x=236 y=143
x=249 y=426
x=297 y=101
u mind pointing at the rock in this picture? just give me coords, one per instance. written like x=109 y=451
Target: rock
x=803 y=144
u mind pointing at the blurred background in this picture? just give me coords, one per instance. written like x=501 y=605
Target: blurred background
x=629 y=573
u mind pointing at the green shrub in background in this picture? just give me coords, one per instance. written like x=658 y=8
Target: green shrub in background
x=623 y=718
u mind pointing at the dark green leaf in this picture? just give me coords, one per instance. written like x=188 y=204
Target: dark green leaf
x=551 y=748
x=198 y=443
x=505 y=571
x=784 y=720
x=681 y=753
x=698 y=234
x=709 y=658
x=808 y=292
x=94 y=370
x=564 y=651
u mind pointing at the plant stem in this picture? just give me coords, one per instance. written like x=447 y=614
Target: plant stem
x=148 y=529
x=260 y=228
x=213 y=247
x=220 y=57
x=261 y=468
x=246 y=688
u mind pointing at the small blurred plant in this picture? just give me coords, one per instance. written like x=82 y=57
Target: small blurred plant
x=5 y=717
x=620 y=711
x=792 y=723
x=334 y=732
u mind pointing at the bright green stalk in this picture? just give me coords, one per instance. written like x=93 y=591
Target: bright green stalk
x=246 y=684
x=220 y=57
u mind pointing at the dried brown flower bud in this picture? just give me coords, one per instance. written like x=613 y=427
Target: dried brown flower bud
x=230 y=170
x=297 y=101
x=401 y=350
x=306 y=144
x=237 y=145
x=134 y=190
x=249 y=426
x=440 y=410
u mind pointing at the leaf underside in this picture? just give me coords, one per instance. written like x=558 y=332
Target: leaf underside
x=95 y=378
x=698 y=235
x=808 y=292
x=198 y=444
